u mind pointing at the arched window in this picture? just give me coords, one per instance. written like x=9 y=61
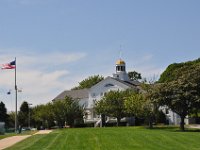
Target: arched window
x=118 y=68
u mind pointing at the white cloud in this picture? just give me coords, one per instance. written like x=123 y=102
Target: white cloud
x=38 y=83
x=27 y=59
x=40 y=79
x=43 y=76
x=53 y=58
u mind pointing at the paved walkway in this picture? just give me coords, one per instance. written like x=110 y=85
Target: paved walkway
x=196 y=126
x=43 y=132
x=9 y=141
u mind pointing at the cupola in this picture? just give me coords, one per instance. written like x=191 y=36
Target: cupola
x=120 y=66
x=121 y=71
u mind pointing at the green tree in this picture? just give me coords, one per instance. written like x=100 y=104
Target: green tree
x=23 y=114
x=3 y=113
x=64 y=111
x=74 y=112
x=59 y=112
x=112 y=105
x=179 y=98
x=180 y=91
x=133 y=104
x=172 y=72
x=43 y=115
x=67 y=111
x=133 y=75
x=150 y=105
x=101 y=109
x=89 y=82
x=11 y=119
x=141 y=105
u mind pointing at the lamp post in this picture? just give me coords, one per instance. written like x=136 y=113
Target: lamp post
x=29 y=116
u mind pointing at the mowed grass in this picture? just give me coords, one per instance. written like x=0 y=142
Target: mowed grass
x=121 y=138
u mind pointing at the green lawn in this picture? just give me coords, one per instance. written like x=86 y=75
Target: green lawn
x=122 y=138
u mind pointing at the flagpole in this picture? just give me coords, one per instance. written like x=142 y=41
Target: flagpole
x=15 y=95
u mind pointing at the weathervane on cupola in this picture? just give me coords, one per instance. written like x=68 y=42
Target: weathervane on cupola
x=120 y=51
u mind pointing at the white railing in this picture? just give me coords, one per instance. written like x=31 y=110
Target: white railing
x=98 y=123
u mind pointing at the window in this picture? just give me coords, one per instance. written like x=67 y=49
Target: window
x=93 y=94
x=108 y=85
x=118 y=68
x=123 y=68
x=166 y=111
x=101 y=94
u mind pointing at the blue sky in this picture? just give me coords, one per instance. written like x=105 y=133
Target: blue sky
x=60 y=42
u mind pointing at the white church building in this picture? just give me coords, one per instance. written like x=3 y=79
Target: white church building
x=119 y=81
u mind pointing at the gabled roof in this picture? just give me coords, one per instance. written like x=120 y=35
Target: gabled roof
x=131 y=84
x=75 y=94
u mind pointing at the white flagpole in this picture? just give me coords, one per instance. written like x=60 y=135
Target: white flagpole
x=15 y=96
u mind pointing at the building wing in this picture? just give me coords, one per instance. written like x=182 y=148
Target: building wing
x=75 y=94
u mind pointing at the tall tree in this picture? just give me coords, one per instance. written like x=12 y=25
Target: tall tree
x=133 y=75
x=180 y=91
x=3 y=112
x=59 y=112
x=74 y=112
x=89 y=82
x=150 y=105
x=23 y=114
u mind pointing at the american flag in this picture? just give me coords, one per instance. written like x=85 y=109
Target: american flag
x=10 y=65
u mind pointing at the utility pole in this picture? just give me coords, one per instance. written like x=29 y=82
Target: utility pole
x=29 y=116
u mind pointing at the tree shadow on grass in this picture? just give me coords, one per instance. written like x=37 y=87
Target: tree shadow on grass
x=189 y=130
x=174 y=129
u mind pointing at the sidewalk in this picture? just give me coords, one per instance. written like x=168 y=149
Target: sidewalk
x=43 y=132
x=7 y=142
x=196 y=126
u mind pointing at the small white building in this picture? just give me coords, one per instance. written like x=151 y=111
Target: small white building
x=173 y=118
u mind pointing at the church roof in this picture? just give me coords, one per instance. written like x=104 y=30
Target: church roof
x=75 y=94
x=131 y=84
